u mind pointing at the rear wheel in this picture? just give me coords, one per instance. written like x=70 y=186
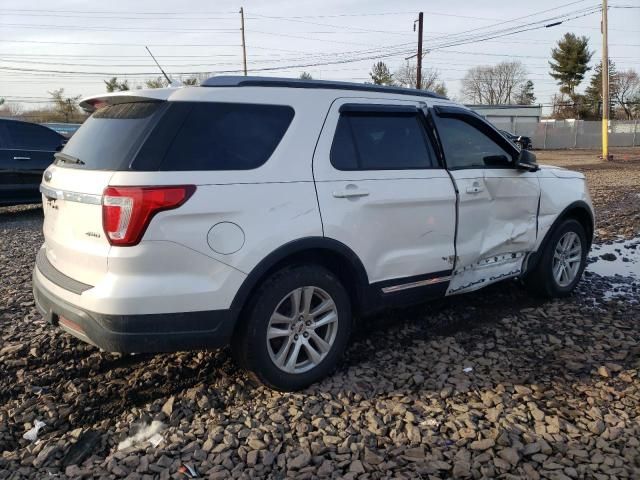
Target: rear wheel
x=563 y=260
x=297 y=328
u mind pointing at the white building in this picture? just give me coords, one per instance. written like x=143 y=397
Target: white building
x=509 y=117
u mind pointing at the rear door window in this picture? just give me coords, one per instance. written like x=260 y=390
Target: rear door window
x=110 y=137
x=29 y=136
x=381 y=141
x=226 y=136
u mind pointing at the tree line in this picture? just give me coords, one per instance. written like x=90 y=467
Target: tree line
x=571 y=59
x=506 y=83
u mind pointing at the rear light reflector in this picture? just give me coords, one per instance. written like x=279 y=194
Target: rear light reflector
x=127 y=211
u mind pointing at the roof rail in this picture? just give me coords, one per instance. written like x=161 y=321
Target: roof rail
x=240 y=81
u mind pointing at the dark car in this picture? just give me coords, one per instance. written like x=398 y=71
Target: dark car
x=26 y=150
x=520 y=140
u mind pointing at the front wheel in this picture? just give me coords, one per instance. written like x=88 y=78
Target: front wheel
x=562 y=263
x=297 y=329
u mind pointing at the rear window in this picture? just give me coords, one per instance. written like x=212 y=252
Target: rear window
x=222 y=136
x=173 y=136
x=110 y=137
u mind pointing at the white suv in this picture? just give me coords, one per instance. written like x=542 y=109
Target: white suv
x=268 y=213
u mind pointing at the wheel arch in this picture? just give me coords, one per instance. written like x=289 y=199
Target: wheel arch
x=327 y=252
x=578 y=210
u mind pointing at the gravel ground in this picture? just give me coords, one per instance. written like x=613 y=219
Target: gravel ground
x=614 y=186
x=494 y=384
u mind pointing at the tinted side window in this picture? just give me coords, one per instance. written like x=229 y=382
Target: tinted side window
x=227 y=136
x=467 y=147
x=28 y=136
x=381 y=141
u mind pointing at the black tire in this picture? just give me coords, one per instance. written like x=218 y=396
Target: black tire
x=541 y=280
x=250 y=345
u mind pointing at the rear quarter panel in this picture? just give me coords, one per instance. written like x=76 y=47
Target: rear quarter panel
x=271 y=205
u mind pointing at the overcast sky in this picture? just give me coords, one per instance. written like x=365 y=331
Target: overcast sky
x=91 y=41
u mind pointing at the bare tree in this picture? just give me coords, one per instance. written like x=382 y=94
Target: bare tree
x=627 y=91
x=407 y=76
x=494 y=84
x=562 y=106
x=10 y=109
x=65 y=106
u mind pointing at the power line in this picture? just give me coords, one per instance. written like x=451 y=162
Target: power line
x=98 y=12
x=112 y=28
x=510 y=31
x=461 y=41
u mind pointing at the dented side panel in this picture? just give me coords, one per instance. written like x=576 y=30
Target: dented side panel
x=497 y=225
x=558 y=190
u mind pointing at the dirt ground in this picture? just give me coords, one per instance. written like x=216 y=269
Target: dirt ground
x=614 y=186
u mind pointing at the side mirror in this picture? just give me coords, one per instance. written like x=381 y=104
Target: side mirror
x=527 y=161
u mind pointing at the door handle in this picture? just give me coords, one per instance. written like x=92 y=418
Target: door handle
x=475 y=188
x=350 y=193
x=22 y=158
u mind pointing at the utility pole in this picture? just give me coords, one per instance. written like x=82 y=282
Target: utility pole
x=419 y=63
x=244 y=46
x=605 y=84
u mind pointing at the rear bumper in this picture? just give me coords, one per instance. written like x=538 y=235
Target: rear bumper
x=158 y=332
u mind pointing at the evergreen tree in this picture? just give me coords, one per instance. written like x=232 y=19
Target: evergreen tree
x=380 y=74
x=440 y=89
x=158 y=82
x=114 y=86
x=525 y=96
x=570 y=62
x=305 y=76
x=593 y=93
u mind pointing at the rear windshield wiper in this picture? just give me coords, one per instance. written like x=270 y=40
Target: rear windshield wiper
x=65 y=158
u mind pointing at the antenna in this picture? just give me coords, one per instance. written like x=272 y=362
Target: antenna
x=163 y=72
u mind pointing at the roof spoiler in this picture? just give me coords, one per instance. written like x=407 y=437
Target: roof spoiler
x=91 y=104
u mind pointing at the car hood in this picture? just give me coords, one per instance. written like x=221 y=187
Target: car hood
x=560 y=172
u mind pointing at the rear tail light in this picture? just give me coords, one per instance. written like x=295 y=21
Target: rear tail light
x=127 y=211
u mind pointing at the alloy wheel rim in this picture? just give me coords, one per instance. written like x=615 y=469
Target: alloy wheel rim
x=302 y=329
x=567 y=258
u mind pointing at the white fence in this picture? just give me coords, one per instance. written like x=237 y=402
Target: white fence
x=575 y=133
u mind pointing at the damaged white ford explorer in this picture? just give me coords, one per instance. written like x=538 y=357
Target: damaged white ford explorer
x=268 y=213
